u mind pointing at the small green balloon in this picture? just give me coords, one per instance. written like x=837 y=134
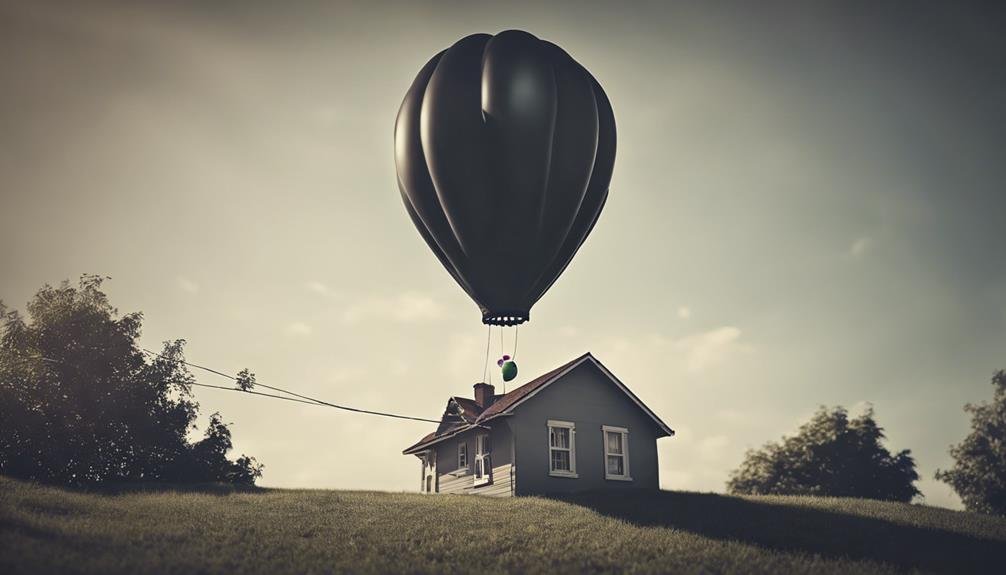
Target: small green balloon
x=509 y=370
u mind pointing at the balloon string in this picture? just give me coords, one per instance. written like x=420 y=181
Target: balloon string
x=485 y=366
x=516 y=331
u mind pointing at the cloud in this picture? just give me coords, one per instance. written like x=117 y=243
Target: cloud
x=343 y=374
x=711 y=448
x=690 y=354
x=568 y=331
x=706 y=349
x=684 y=312
x=319 y=288
x=297 y=329
x=465 y=358
x=406 y=307
x=187 y=285
x=860 y=407
x=399 y=368
x=733 y=416
x=859 y=248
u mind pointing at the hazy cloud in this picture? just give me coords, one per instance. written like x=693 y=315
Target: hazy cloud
x=298 y=328
x=568 y=331
x=733 y=416
x=345 y=373
x=859 y=248
x=319 y=288
x=691 y=354
x=684 y=312
x=465 y=356
x=186 y=285
x=399 y=368
x=712 y=447
x=860 y=407
x=406 y=307
x=709 y=348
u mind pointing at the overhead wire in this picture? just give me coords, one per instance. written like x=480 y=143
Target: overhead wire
x=301 y=398
x=283 y=397
x=298 y=398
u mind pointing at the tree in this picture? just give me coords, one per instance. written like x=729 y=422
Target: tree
x=81 y=404
x=979 y=472
x=829 y=455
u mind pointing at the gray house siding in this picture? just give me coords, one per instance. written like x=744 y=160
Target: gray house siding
x=451 y=479
x=589 y=399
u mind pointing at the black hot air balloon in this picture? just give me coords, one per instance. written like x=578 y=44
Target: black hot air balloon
x=504 y=147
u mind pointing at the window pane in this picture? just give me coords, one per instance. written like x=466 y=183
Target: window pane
x=559 y=437
x=560 y=460
x=614 y=442
x=616 y=465
x=478 y=468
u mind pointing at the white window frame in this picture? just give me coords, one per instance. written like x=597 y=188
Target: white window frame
x=483 y=474
x=463 y=456
x=555 y=424
x=605 y=430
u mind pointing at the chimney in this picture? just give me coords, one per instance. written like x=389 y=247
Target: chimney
x=484 y=394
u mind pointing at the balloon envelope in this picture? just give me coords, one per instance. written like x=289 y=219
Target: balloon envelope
x=504 y=148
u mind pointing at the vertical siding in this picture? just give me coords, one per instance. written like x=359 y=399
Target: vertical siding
x=590 y=400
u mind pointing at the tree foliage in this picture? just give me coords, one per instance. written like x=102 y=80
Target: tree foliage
x=81 y=404
x=829 y=455
x=979 y=472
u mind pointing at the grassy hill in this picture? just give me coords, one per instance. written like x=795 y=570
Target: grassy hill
x=222 y=530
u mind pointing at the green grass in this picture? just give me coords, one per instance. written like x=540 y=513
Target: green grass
x=221 y=530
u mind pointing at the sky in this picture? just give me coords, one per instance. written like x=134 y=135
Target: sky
x=807 y=209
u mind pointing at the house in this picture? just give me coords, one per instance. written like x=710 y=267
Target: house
x=575 y=428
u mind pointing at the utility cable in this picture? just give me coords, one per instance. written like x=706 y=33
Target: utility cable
x=305 y=398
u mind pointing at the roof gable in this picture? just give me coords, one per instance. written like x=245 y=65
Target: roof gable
x=518 y=396
x=466 y=408
x=463 y=414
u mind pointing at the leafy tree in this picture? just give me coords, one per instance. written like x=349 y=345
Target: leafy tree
x=829 y=455
x=979 y=472
x=81 y=404
x=245 y=380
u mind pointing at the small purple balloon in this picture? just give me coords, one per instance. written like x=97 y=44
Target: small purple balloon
x=499 y=362
x=506 y=358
